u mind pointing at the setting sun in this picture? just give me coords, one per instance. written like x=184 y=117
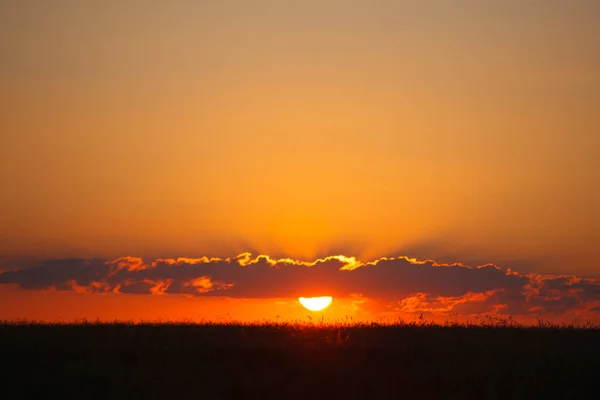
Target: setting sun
x=315 y=303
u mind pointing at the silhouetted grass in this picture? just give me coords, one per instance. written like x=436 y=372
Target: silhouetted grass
x=493 y=358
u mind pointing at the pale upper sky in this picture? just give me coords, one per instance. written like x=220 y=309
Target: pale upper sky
x=458 y=130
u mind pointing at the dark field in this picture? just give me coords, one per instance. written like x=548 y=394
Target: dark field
x=187 y=361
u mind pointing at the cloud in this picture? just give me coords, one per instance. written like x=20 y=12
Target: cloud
x=397 y=284
x=59 y=274
x=424 y=302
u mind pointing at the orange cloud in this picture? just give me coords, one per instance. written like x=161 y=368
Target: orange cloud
x=424 y=302
x=159 y=287
x=127 y=263
x=204 y=284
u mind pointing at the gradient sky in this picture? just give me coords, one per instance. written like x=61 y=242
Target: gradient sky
x=459 y=131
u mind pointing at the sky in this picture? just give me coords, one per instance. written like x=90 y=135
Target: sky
x=463 y=132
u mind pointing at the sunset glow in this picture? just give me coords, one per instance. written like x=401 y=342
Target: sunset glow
x=299 y=199
x=211 y=159
x=315 y=303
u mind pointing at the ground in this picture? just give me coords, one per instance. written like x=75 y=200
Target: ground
x=190 y=361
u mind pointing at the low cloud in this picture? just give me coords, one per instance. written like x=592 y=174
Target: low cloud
x=398 y=284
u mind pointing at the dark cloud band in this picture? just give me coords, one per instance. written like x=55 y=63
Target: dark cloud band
x=403 y=284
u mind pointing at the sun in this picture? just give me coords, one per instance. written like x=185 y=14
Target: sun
x=315 y=303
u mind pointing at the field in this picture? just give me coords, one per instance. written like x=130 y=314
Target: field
x=277 y=360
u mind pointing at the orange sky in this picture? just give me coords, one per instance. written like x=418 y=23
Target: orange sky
x=459 y=131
